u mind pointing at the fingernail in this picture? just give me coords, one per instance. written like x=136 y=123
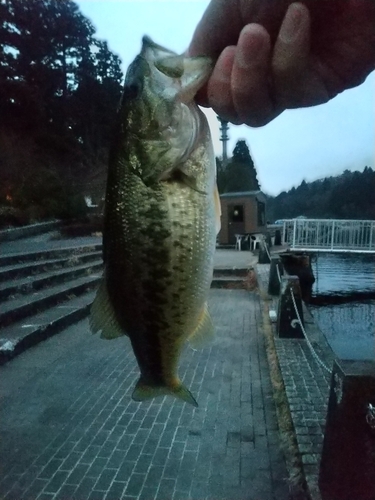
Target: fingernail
x=291 y=24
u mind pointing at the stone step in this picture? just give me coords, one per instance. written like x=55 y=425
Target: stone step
x=21 y=307
x=231 y=271
x=32 y=283
x=54 y=253
x=24 y=334
x=228 y=282
x=14 y=271
x=29 y=230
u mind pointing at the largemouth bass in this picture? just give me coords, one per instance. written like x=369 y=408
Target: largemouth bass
x=162 y=215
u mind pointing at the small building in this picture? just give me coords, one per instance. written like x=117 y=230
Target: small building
x=241 y=213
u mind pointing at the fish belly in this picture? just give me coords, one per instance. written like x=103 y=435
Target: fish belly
x=159 y=248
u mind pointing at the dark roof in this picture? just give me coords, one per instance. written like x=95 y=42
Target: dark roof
x=241 y=193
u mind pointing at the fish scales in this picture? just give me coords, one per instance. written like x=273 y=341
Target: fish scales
x=160 y=223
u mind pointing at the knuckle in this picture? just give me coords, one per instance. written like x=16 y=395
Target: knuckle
x=262 y=117
x=227 y=114
x=257 y=120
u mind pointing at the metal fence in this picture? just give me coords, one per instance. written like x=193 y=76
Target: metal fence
x=330 y=235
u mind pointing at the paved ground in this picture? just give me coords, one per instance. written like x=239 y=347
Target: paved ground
x=70 y=430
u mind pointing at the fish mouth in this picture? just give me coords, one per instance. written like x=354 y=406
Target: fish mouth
x=147 y=42
x=191 y=73
x=157 y=51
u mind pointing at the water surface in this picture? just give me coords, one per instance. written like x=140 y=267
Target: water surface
x=343 y=274
x=349 y=326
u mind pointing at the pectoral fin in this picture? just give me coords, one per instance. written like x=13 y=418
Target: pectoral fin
x=102 y=315
x=217 y=209
x=204 y=331
x=189 y=181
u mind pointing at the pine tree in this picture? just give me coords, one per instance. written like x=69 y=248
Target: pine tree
x=60 y=89
x=221 y=178
x=240 y=171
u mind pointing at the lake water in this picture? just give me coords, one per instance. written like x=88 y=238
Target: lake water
x=343 y=303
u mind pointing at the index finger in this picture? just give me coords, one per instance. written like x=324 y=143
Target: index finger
x=219 y=27
x=223 y=21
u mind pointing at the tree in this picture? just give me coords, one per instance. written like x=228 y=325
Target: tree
x=221 y=177
x=240 y=171
x=60 y=89
x=347 y=196
x=45 y=38
x=96 y=98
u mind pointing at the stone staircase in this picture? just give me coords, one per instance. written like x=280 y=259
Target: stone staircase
x=42 y=293
x=230 y=278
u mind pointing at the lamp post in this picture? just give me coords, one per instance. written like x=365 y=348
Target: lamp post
x=224 y=138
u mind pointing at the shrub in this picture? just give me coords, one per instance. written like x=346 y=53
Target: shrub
x=12 y=217
x=43 y=195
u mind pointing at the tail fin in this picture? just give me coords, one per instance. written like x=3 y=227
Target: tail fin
x=144 y=391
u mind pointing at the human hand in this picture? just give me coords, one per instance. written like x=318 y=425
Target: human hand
x=273 y=56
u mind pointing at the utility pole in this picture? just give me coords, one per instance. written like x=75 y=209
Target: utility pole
x=224 y=138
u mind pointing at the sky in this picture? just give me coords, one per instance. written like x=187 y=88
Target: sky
x=303 y=144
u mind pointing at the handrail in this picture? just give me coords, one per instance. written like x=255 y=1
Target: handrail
x=330 y=235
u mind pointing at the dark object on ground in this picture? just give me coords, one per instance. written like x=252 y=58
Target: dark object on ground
x=277 y=237
x=288 y=326
x=12 y=217
x=299 y=264
x=84 y=227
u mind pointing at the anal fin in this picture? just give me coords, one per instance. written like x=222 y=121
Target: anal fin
x=204 y=332
x=102 y=315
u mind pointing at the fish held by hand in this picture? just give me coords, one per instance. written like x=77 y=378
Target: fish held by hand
x=162 y=215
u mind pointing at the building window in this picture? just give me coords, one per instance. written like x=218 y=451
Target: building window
x=261 y=207
x=236 y=213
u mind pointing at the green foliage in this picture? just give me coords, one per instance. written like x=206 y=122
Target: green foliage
x=241 y=153
x=44 y=195
x=347 y=196
x=221 y=175
x=60 y=88
x=239 y=174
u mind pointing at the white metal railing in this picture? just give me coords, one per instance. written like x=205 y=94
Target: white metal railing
x=330 y=235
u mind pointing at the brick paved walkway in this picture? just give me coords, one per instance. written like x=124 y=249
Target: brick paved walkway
x=70 y=430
